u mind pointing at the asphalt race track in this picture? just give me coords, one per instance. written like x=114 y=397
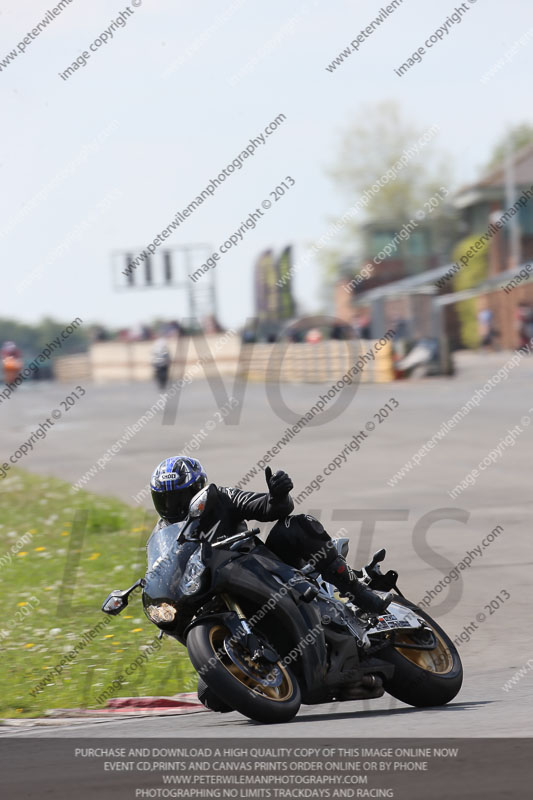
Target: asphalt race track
x=425 y=531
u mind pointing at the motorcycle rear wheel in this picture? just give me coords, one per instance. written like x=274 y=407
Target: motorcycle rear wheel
x=423 y=678
x=242 y=685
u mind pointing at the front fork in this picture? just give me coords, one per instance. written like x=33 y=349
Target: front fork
x=235 y=607
x=253 y=644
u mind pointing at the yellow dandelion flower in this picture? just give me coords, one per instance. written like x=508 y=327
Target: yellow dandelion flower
x=30 y=644
x=39 y=549
x=136 y=630
x=93 y=556
x=109 y=635
x=22 y=553
x=23 y=603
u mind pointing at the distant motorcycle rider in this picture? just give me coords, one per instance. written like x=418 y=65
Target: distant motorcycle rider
x=161 y=361
x=11 y=361
x=296 y=539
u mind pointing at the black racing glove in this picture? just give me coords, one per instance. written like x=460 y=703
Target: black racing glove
x=279 y=485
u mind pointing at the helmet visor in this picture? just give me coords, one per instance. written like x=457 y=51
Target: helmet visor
x=174 y=505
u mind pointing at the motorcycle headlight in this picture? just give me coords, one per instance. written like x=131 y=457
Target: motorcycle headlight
x=163 y=612
x=191 y=580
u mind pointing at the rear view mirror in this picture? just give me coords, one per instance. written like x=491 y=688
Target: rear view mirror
x=198 y=503
x=202 y=501
x=118 y=600
x=115 y=603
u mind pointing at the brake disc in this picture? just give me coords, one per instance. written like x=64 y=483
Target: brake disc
x=265 y=674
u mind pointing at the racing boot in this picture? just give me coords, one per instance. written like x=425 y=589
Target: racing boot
x=345 y=579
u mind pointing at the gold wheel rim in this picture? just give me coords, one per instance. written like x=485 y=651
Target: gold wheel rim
x=439 y=660
x=278 y=694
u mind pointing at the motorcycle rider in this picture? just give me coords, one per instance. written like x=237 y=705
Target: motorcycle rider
x=296 y=539
x=11 y=361
x=161 y=361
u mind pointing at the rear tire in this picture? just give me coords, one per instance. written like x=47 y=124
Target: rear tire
x=238 y=687
x=424 y=678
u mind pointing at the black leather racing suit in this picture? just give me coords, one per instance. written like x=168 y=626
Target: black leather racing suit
x=294 y=538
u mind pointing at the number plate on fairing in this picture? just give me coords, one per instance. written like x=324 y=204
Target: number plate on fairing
x=396 y=617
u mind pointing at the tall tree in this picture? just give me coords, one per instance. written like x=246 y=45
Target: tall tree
x=372 y=146
x=517 y=136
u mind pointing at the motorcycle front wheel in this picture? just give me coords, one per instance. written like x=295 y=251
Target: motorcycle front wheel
x=260 y=690
x=423 y=677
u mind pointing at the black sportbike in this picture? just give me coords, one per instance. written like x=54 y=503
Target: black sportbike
x=265 y=637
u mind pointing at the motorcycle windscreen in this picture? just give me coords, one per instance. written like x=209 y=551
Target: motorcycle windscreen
x=166 y=562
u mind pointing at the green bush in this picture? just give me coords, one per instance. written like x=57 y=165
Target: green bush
x=471 y=275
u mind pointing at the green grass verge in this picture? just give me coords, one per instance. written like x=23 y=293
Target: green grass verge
x=61 y=553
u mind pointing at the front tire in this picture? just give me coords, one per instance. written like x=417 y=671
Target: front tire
x=210 y=700
x=241 y=682
x=423 y=678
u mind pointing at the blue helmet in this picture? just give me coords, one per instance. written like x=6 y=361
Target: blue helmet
x=174 y=483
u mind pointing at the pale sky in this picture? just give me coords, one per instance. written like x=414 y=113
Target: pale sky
x=170 y=133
